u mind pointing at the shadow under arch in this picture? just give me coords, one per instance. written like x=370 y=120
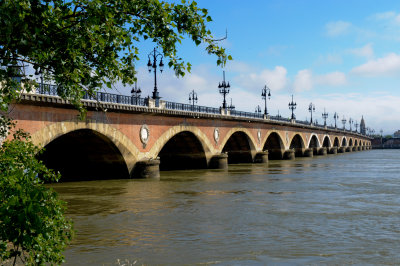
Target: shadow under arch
x=175 y=130
x=183 y=151
x=275 y=146
x=239 y=148
x=125 y=146
x=297 y=143
x=84 y=154
x=336 y=142
x=314 y=144
x=344 y=142
x=327 y=142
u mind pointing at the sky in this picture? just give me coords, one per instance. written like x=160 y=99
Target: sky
x=342 y=56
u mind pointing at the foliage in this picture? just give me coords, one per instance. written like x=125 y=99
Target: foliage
x=83 y=45
x=32 y=224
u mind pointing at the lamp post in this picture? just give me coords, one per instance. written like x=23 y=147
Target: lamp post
x=324 y=116
x=344 y=122
x=311 y=109
x=231 y=106
x=350 y=122
x=192 y=98
x=135 y=92
x=266 y=92
x=356 y=125
x=292 y=106
x=224 y=90
x=153 y=65
x=278 y=116
x=258 y=110
x=335 y=116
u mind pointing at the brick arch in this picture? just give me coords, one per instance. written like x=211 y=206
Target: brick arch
x=252 y=141
x=329 y=139
x=341 y=141
x=309 y=140
x=281 y=139
x=129 y=151
x=303 y=143
x=171 y=132
x=351 y=142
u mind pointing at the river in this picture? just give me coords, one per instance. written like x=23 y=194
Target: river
x=335 y=209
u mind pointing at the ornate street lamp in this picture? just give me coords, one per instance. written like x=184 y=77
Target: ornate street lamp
x=192 y=98
x=324 y=116
x=292 y=106
x=335 y=116
x=356 y=125
x=278 y=116
x=231 y=106
x=344 y=122
x=135 y=92
x=311 y=109
x=350 y=122
x=153 y=65
x=266 y=92
x=258 y=109
x=224 y=90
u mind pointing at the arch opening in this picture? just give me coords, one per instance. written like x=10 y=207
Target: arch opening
x=275 y=147
x=344 y=142
x=314 y=144
x=351 y=142
x=84 y=154
x=238 y=148
x=298 y=145
x=182 y=151
x=326 y=143
x=355 y=143
x=336 y=142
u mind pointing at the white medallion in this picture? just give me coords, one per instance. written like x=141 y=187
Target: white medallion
x=259 y=135
x=144 y=134
x=216 y=135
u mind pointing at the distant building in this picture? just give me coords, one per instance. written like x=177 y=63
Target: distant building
x=362 y=127
x=396 y=134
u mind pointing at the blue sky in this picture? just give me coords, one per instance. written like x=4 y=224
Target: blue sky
x=343 y=56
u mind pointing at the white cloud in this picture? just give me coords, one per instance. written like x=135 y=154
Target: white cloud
x=365 y=51
x=337 y=28
x=331 y=79
x=385 y=66
x=305 y=80
x=276 y=79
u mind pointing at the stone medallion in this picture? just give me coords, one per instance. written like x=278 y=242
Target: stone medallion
x=144 y=135
x=216 y=135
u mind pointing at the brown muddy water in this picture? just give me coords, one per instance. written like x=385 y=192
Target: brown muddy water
x=335 y=209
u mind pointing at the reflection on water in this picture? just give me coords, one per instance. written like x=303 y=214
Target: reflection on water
x=337 y=209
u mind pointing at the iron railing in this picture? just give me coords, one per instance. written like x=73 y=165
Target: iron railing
x=191 y=108
x=246 y=114
x=53 y=90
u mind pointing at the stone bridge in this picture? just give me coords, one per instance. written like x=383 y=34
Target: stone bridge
x=122 y=140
